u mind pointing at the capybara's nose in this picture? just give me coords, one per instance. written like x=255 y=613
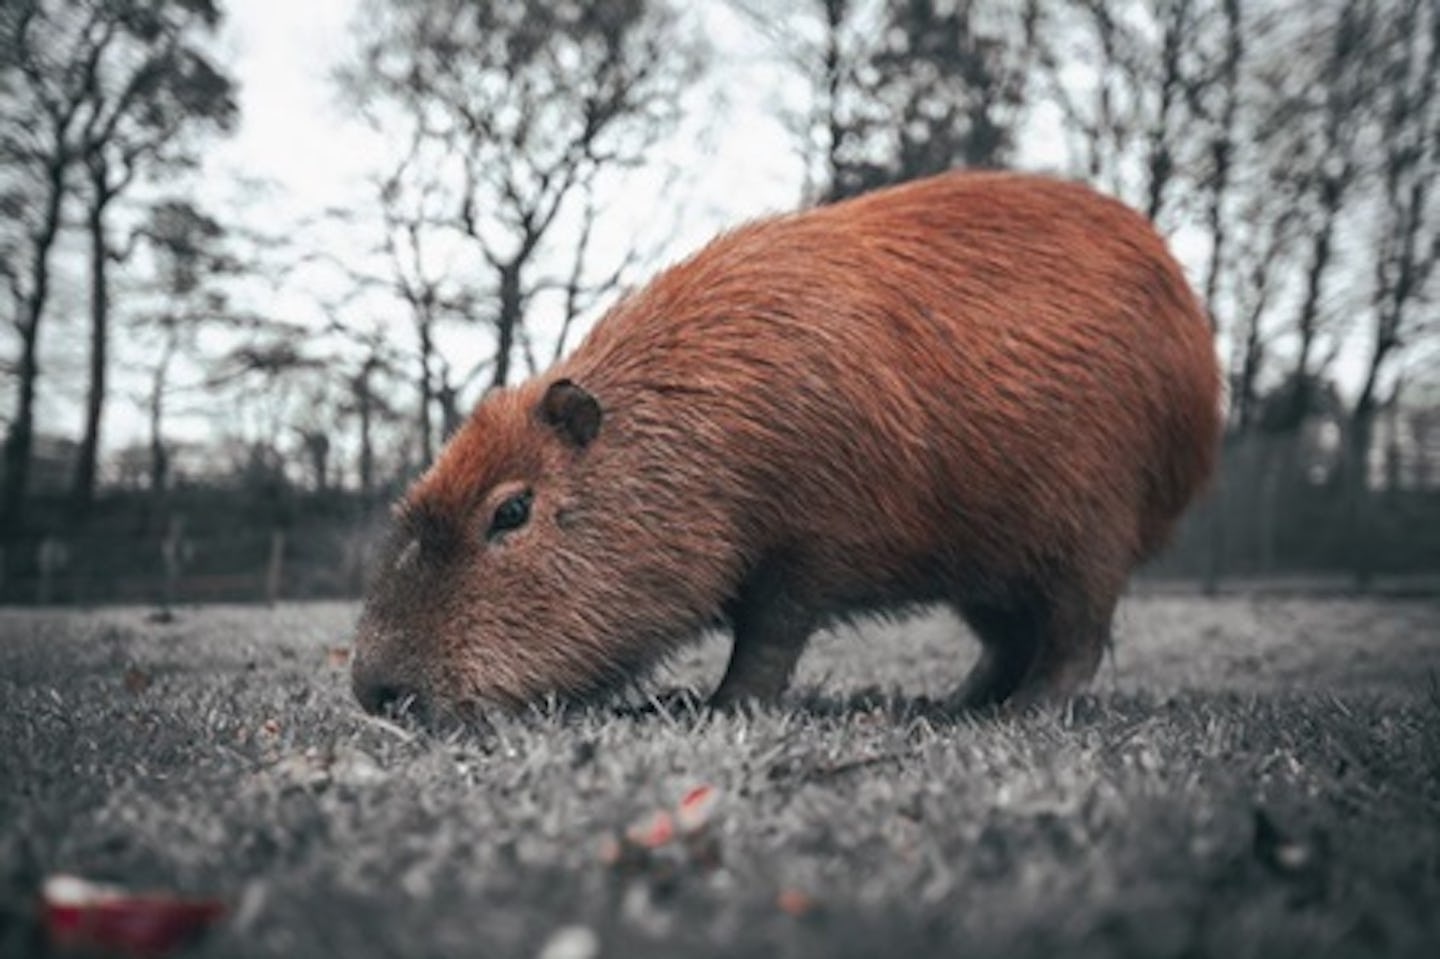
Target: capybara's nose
x=379 y=693
x=383 y=697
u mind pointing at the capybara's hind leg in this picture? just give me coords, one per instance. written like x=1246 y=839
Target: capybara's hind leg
x=1008 y=639
x=771 y=629
x=1074 y=631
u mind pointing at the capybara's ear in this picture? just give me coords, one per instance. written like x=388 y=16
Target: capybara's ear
x=572 y=411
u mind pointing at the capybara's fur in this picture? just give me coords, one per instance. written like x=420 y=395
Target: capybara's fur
x=990 y=390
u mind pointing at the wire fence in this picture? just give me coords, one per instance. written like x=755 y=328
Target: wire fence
x=1276 y=514
x=260 y=566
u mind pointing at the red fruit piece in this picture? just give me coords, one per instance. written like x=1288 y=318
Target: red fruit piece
x=83 y=915
x=652 y=832
x=695 y=808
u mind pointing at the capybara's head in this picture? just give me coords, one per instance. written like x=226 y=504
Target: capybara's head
x=537 y=557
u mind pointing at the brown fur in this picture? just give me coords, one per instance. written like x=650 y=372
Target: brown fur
x=986 y=389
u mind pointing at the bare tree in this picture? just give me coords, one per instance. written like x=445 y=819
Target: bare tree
x=1320 y=138
x=187 y=248
x=519 y=104
x=827 y=44
x=1138 y=84
x=369 y=377
x=1222 y=154
x=1407 y=58
x=150 y=84
x=1102 y=113
x=1177 y=23
x=950 y=87
x=903 y=88
x=1262 y=255
x=266 y=377
x=414 y=204
x=1408 y=243
x=49 y=54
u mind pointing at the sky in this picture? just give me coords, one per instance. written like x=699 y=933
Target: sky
x=296 y=133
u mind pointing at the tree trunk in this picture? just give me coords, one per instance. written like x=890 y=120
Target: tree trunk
x=83 y=493
x=834 y=129
x=1276 y=482
x=1160 y=164
x=1220 y=510
x=317 y=445
x=427 y=392
x=449 y=397
x=367 y=449
x=159 y=458
x=1310 y=307
x=507 y=323
x=1247 y=370
x=1221 y=151
x=21 y=436
x=1359 y=541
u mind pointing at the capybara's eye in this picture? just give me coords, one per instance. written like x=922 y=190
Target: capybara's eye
x=510 y=514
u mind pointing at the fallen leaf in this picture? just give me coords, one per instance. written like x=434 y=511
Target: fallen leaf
x=338 y=656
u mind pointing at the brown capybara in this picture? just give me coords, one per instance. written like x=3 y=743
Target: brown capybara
x=990 y=390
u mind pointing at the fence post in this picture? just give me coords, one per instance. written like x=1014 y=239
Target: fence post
x=172 y=555
x=52 y=559
x=274 y=567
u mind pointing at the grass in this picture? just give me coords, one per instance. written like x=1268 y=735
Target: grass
x=1251 y=777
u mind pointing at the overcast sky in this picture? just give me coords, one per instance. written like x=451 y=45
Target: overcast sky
x=294 y=132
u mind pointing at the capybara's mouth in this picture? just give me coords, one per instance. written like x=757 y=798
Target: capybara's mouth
x=414 y=712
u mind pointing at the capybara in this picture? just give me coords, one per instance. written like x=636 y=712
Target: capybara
x=991 y=390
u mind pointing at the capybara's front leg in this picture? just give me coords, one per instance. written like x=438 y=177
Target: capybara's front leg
x=771 y=630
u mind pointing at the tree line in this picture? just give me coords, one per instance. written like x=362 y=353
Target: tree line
x=1288 y=149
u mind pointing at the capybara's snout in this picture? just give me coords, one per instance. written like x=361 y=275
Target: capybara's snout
x=381 y=687
x=379 y=694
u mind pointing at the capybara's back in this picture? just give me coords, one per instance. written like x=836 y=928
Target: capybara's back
x=986 y=389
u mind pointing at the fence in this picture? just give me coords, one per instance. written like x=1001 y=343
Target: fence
x=1277 y=510
x=264 y=566
x=1281 y=507
x=202 y=547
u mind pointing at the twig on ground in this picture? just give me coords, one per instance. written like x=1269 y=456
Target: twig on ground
x=394 y=729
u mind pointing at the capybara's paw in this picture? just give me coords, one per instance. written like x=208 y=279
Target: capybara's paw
x=730 y=698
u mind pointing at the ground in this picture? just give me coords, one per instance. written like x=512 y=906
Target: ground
x=1252 y=776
